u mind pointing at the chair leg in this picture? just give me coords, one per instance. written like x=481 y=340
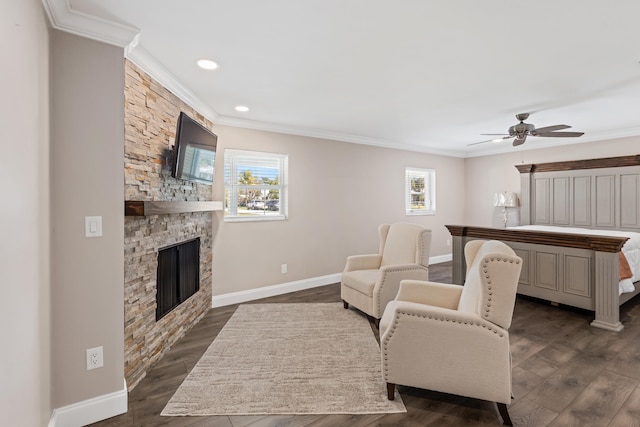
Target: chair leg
x=391 y=391
x=506 y=419
x=345 y=304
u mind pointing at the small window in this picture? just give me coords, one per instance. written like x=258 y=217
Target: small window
x=420 y=191
x=255 y=186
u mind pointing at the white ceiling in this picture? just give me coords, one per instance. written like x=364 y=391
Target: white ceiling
x=422 y=75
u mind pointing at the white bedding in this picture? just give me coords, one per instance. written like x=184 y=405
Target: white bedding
x=631 y=248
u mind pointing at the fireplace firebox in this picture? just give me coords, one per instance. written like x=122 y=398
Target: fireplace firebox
x=178 y=275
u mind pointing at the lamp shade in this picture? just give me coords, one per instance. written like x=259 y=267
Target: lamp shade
x=505 y=200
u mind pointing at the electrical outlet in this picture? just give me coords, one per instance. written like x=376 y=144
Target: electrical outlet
x=448 y=242
x=94 y=358
x=283 y=268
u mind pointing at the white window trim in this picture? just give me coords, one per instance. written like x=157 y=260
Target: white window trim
x=283 y=186
x=430 y=176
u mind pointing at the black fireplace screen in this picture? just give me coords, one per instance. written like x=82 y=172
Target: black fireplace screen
x=178 y=275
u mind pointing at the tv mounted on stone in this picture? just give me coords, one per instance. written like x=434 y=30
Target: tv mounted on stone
x=194 y=152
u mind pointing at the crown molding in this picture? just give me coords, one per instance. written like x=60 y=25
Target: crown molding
x=155 y=69
x=63 y=18
x=334 y=136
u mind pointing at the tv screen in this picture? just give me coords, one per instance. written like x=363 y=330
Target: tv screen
x=195 y=151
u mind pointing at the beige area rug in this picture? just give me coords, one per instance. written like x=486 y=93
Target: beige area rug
x=288 y=359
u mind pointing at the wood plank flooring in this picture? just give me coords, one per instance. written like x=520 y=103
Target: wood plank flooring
x=565 y=373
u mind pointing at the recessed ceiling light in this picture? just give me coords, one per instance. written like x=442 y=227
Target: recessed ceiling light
x=207 y=64
x=242 y=108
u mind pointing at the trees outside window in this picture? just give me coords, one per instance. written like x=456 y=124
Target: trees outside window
x=255 y=185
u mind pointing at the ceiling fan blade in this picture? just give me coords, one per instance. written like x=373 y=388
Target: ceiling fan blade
x=489 y=134
x=560 y=134
x=518 y=141
x=481 y=142
x=547 y=129
x=490 y=140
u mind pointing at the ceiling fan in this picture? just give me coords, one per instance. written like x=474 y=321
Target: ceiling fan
x=522 y=130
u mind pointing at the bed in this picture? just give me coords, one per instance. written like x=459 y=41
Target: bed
x=580 y=229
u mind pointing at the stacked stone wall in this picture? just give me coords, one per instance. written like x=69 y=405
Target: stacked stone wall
x=151 y=114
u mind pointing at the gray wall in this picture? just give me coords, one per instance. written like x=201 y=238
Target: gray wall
x=488 y=174
x=87 y=170
x=338 y=195
x=24 y=254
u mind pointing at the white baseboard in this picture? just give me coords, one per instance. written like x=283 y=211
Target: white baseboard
x=273 y=290
x=91 y=410
x=285 y=288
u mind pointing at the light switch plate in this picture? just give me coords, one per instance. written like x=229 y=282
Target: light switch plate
x=93 y=226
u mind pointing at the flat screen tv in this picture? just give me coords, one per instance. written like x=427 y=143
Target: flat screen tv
x=194 y=152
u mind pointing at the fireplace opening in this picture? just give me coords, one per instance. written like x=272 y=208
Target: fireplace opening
x=178 y=275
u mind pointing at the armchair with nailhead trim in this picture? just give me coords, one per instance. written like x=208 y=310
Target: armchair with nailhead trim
x=455 y=339
x=369 y=282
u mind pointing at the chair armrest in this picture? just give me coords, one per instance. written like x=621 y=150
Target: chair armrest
x=442 y=316
x=386 y=288
x=363 y=262
x=416 y=309
x=430 y=293
x=403 y=267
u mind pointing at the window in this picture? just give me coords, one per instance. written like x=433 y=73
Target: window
x=420 y=191
x=255 y=186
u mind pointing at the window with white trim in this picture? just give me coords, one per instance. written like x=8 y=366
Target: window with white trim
x=420 y=191
x=255 y=185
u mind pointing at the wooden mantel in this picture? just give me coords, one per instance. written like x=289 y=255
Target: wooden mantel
x=146 y=208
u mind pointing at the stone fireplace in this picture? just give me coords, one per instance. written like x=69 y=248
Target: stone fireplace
x=151 y=113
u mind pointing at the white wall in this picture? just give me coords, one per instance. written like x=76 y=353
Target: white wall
x=338 y=195
x=489 y=174
x=24 y=318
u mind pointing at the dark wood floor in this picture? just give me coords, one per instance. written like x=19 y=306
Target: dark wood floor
x=565 y=373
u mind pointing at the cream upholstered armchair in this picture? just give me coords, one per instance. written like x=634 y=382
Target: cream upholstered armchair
x=369 y=282
x=454 y=339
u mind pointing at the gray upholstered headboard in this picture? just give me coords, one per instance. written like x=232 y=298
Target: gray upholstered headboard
x=596 y=193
